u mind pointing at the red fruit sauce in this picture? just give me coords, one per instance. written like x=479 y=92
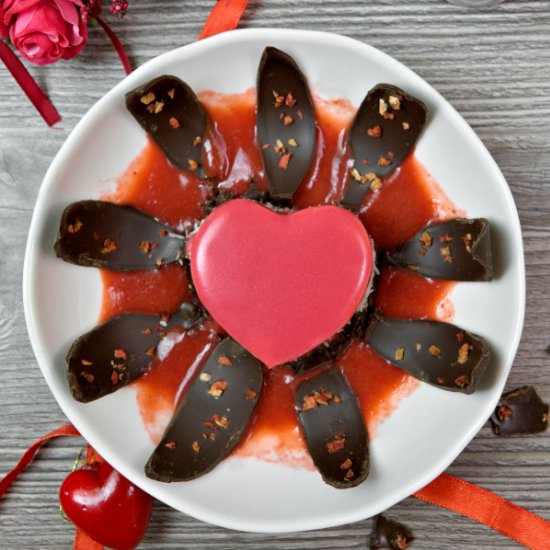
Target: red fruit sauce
x=408 y=200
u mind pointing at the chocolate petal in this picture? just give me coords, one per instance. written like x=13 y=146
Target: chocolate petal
x=458 y=250
x=120 y=350
x=328 y=351
x=438 y=353
x=383 y=133
x=390 y=534
x=170 y=112
x=212 y=416
x=520 y=411
x=334 y=429
x=119 y=238
x=286 y=122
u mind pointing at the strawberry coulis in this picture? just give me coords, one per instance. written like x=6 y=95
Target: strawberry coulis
x=408 y=200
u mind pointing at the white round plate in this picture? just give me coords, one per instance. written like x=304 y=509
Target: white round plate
x=429 y=428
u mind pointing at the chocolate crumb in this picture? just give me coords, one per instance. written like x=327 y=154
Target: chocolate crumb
x=520 y=411
x=390 y=534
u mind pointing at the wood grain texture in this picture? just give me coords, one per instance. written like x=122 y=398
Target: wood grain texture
x=492 y=65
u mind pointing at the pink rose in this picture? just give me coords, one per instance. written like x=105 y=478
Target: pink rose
x=44 y=31
x=3 y=28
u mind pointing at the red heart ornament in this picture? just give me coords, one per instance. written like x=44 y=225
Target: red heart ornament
x=280 y=284
x=106 y=506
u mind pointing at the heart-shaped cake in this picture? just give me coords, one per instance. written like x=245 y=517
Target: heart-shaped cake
x=281 y=283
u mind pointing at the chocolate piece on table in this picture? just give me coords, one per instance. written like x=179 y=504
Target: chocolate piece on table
x=383 y=133
x=438 y=353
x=520 y=411
x=120 y=350
x=285 y=121
x=118 y=238
x=334 y=428
x=212 y=416
x=390 y=534
x=458 y=250
x=170 y=112
x=328 y=351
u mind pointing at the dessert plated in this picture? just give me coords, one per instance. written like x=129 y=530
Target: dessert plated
x=63 y=301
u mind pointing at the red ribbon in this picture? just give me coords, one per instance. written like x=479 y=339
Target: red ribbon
x=481 y=505
x=28 y=455
x=116 y=43
x=27 y=83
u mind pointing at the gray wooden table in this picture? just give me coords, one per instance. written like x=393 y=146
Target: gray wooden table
x=492 y=65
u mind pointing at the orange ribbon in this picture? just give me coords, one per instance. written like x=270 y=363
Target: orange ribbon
x=481 y=505
x=83 y=542
x=225 y=16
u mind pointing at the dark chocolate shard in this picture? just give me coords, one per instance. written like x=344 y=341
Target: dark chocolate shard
x=285 y=121
x=520 y=411
x=438 y=353
x=458 y=250
x=383 y=133
x=120 y=350
x=329 y=351
x=119 y=238
x=170 y=112
x=334 y=429
x=390 y=534
x=212 y=416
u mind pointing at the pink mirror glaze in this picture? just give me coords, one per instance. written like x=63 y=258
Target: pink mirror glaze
x=280 y=284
